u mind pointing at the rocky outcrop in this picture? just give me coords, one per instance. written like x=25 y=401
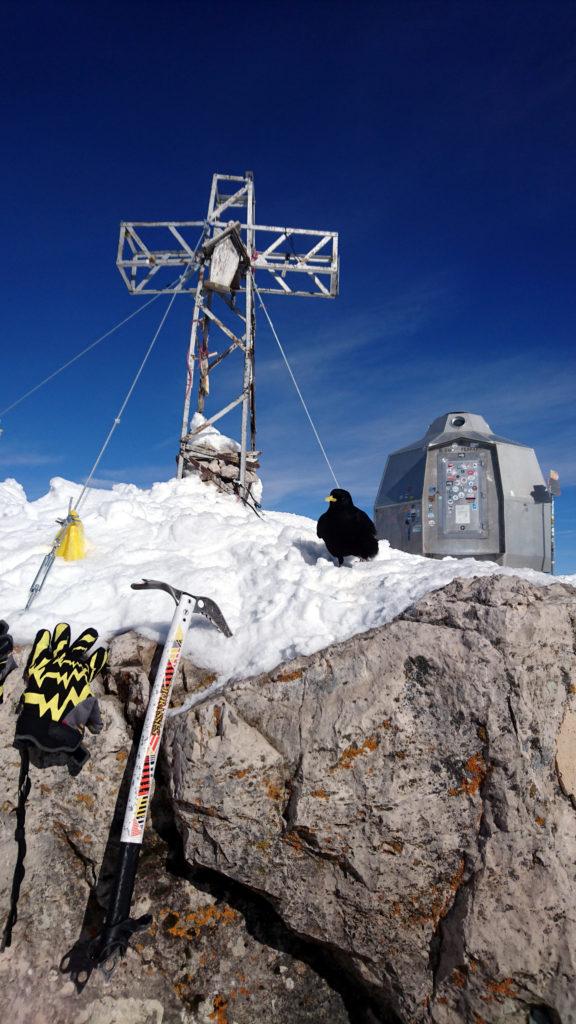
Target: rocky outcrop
x=211 y=956
x=215 y=458
x=384 y=831
x=396 y=798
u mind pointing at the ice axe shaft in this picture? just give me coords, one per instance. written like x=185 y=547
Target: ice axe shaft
x=111 y=944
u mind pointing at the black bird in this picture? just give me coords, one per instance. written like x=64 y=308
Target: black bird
x=345 y=529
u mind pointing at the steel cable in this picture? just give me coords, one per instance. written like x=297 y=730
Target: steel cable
x=78 y=356
x=300 y=395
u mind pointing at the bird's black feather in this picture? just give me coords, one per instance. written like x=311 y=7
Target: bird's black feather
x=347 y=530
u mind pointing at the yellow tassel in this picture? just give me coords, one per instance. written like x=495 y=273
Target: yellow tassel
x=73 y=546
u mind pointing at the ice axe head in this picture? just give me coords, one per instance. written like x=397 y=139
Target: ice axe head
x=203 y=605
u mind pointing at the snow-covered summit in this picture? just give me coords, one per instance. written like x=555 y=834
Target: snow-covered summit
x=276 y=584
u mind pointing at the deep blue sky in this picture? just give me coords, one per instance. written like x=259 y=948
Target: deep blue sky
x=439 y=140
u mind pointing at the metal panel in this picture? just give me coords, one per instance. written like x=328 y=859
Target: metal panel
x=527 y=509
x=462 y=502
x=398 y=508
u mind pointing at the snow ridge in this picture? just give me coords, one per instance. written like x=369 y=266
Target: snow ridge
x=278 y=588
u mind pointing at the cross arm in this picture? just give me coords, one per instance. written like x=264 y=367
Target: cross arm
x=284 y=261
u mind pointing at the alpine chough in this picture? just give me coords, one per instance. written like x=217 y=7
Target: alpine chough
x=345 y=529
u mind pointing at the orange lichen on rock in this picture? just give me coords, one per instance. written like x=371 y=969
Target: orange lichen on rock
x=441 y=900
x=289 y=677
x=458 y=978
x=241 y=773
x=191 y=925
x=393 y=846
x=458 y=875
x=504 y=989
x=121 y=756
x=540 y=821
x=348 y=756
x=293 y=840
x=435 y=910
x=320 y=794
x=205 y=679
x=181 y=987
x=476 y=771
x=274 y=792
x=219 y=1014
x=86 y=799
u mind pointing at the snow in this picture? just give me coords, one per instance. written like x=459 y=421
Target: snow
x=211 y=436
x=278 y=588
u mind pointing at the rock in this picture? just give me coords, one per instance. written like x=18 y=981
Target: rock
x=207 y=958
x=396 y=799
x=215 y=458
x=382 y=832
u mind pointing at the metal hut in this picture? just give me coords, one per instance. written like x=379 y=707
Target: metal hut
x=463 y=491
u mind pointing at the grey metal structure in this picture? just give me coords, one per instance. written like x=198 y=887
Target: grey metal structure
x=227 y=258
x=463 y=491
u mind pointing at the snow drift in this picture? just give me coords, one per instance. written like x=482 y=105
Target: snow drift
x=278 y=588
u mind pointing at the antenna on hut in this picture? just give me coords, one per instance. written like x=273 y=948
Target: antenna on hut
x=235 y=259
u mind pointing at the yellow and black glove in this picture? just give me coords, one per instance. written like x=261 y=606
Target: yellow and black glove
x=7 y=662
x=58 y=677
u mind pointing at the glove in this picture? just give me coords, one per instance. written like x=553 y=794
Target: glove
x=59 y=674
x=7 y=662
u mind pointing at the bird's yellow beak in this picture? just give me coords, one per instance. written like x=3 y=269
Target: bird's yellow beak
x=330 y=498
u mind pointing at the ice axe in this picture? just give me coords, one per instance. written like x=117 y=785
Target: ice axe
x=106 y=949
